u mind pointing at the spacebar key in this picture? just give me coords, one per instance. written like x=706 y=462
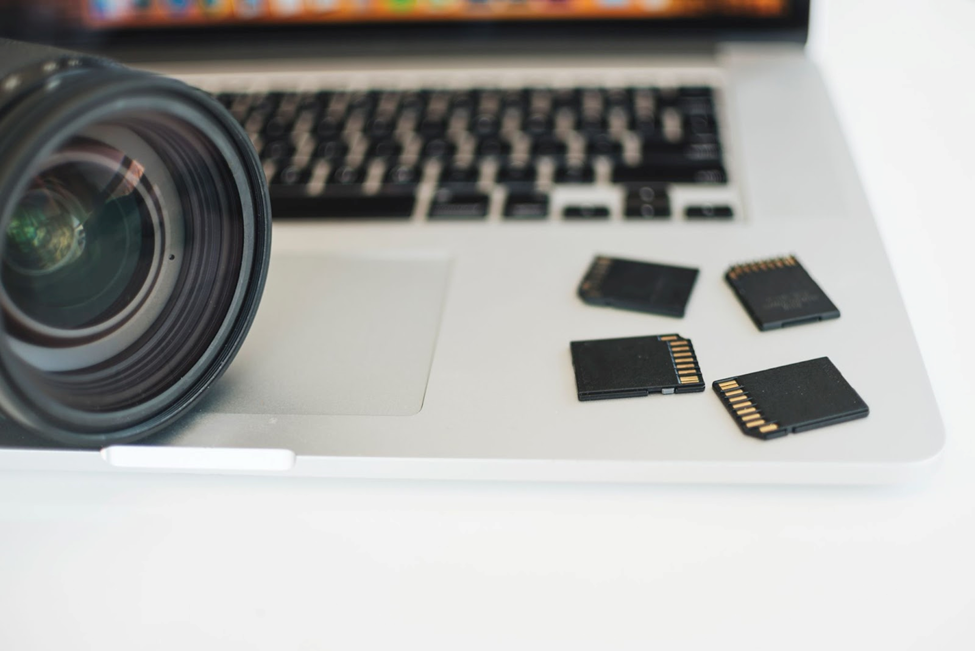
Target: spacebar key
x=380 y=206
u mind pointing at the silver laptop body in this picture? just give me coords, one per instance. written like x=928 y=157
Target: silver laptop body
x=439 y=349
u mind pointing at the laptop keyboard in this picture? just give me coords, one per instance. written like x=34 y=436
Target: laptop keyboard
x=465 y=154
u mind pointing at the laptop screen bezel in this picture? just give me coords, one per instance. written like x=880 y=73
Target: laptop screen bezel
x=793 y=27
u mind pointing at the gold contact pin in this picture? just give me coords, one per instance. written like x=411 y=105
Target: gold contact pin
x=756 y=423
x=750 y=417
x=736 y=392
x=689 y=379
x=771 y=427
x=746 y=410
x=669 y=338
x=730 y=384
x=738 y=399
x=680 y=366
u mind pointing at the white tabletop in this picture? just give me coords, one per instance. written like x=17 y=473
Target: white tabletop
x=191 y=562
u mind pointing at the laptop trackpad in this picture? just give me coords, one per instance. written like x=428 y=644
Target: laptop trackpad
x=339 y=335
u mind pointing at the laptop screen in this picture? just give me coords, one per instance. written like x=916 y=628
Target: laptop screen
x=122 y=14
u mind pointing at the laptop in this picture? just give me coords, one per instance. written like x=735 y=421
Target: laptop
x=443 y=174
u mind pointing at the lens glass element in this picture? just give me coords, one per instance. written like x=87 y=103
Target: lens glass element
x=79 y=242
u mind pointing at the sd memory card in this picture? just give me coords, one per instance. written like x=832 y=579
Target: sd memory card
x=635 y=366
x=640 y=286
x=790 y=399
x=779 y=292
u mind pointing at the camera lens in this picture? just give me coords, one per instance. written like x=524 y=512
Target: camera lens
x=134 y=237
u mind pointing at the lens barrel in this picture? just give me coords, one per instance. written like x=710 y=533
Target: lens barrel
x=134 y=245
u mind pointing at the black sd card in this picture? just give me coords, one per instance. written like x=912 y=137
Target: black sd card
x=779 y=292
x=794 y=398
x=640 y=286
x=635 y=366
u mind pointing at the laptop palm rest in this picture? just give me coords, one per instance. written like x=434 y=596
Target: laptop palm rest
x=339 y=335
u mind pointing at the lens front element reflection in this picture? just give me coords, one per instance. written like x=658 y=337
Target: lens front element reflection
x=80 y=242
x=45 y=233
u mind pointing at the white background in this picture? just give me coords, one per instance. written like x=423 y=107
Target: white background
x=183 y=562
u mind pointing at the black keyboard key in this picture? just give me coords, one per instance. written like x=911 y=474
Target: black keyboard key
x=565 y=98
x=439 y=148
x=526 y=206
x=695 y=91
x=345 y=176
x=707 y=173
x=462 y=99
x=402 y=176
x=380 y=206
x=696 y=106
x=675 y=154
x=514 y=98
x=485 y=125
x=517 y=174
x=329 y=128
x=384 y=148
x=702 y=127
x=433 y=127
x=331 y=150
x=586 y=211
x=604 y=145
x=278 y=126
x=537 y=124
x=592 y=123
x=493 y=147
x=413 y=101
x=646 y=125
x=277 y=150
x=314 y=101
x=459 y=205
x=618 y=97
x=380 y=127
x=363 y=101
x=709 y=211
x=291 y=175
x=457 y=175
x=648 y=192
x=548 y=145
x=646 y=202
x=575 y=174
x=267 y=103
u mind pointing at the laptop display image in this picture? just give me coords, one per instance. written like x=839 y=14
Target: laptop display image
x=542 y=240
x=146 y=13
